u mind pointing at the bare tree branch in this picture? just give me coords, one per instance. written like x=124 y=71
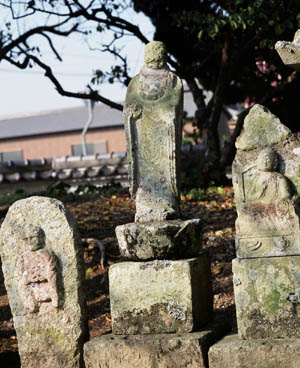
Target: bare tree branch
x=52 y=46
x=22 y=39
x=91 y=96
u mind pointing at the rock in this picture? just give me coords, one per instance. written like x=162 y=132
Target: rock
x=160 y=296
x=290 y=51
x=153 y=116
x=174 y=239
x=267 y=297
x=148 y=351
x=261 y=129
x=43 y=269
x=232 y=352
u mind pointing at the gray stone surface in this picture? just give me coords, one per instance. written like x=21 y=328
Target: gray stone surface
x=290 y=51
x=267 y=297
x=152 y=351
x=160 y=296
x=232 y=352
x=261 y=129
x=266 y=186
x=43 y=270
x=174 y=239
x=153 y=117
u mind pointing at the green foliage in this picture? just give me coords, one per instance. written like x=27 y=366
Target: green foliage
x=201 y=34
x=196 y=194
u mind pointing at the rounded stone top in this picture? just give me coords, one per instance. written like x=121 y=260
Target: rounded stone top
x=155 y=55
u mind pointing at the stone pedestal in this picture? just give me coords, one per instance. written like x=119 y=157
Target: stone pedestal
x=148 y=351
x=232 y=352
x=267 y=296
x=173 y=239
x=165 y=287
x=160 y=296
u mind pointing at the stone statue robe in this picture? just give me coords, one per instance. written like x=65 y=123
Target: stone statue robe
x=268 y=205
x=153 y=114
x=37 y=274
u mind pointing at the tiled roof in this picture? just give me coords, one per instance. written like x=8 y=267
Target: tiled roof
x=63 y=168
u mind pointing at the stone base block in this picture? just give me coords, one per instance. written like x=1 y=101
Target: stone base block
x=146 y=241
x=232 y=352
x=149 y=351
x=267 y=297
x=160 y=296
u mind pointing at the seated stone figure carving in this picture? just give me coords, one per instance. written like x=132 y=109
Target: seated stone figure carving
x=268 y=204
x=37 y=273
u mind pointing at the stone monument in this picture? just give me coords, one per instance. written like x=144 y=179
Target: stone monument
x=43 y=270
x=266 y=272
x=162 y=294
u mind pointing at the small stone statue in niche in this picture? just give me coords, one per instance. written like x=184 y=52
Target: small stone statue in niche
x=153 y=114
x=268 y=201
x=37 y=273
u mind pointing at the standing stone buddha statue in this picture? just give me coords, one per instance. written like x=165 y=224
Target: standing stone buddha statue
x=153 y=114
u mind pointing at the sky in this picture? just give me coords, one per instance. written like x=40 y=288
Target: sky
x=28 y=91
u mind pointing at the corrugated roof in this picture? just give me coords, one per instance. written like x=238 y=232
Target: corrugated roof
x=67 y=120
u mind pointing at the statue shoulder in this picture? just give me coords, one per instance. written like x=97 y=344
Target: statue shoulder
x=132 y=91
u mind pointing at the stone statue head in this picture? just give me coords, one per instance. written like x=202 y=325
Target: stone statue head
x=267 y=160
x=34 y=236
x=155 y=55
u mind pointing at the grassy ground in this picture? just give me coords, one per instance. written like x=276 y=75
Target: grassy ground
x=97 y=214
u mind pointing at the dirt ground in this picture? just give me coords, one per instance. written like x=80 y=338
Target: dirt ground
x=97 y=218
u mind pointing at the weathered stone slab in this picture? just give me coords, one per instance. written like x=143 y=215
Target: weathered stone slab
x=152 y=117
x=290 y=51
x=160 y=296
x=261 y=129
x=42 y=265
x=232 y=352
x=267 y=297
x=152 y=351
x=266 y=185
x=174 y=239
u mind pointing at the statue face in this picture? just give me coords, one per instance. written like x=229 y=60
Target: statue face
x=155 y=55
x=35 y=243
x=34 y=236
x=267 y=160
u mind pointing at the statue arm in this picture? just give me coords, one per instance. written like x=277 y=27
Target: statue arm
x=52 y=279
x=175 y=134
x=132 y=112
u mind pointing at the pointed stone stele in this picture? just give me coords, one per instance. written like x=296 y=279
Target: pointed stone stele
x=266 y=187
x=290 y=51
x=43 y=270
